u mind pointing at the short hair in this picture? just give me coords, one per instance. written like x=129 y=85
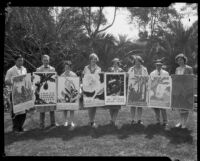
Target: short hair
x=67 y=62
x=17 y=57
x=181 y=55
x=47 y=56
x=93 y=55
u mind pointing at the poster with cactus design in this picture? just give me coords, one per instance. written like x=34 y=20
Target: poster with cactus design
x=160 y=92
x=183 y=92
x=137 y=90
x=22 y=93
x=44 y=84
x=68 y=93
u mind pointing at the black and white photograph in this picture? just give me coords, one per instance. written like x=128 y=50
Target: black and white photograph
x=108 y=52
x=115 y=88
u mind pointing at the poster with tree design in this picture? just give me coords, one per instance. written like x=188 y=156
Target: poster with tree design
x=44 y=84
x=160 y=92
x=22 y=93
x=137 y=90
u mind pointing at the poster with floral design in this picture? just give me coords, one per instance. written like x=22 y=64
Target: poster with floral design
x=22 y=93
x=115 y=88
x=137 y=90
x=93 y=90
x=68 y=93
x=44 y=84
x=160 y=92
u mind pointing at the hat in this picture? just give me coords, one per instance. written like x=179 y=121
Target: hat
x=181 y=55
x=116 y=60
x=139 y=58
x=158 y=62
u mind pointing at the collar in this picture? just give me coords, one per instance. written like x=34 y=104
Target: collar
x=18 y=68
x=48 y=66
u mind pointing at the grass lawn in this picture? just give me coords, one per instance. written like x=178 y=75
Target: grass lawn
x=127 y=140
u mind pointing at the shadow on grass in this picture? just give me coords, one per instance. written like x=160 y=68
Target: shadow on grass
x=175 y=135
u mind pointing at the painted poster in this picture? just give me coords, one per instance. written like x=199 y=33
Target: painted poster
x=93 y=90
x=115 y=88
x=137 y=90
x=44 y=84
x=182 y=92
x=22 y=93
x=160 y=92
x=68 y=93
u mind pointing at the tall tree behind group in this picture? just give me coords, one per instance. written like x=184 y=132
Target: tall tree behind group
x=29 y=31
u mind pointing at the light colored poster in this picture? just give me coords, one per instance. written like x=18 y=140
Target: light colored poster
x=137 y=90
x=182 y=92
x=160 y=92
x=68 y=93
x=115 y=88
x=44 y=84
x=93 y=90
x=22 y=93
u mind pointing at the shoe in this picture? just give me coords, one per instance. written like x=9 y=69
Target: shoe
x=140 y=122
x=112 y=123
x=183 y=127
x=158 y=123
x=41 y=127
x=72 y=126
x=23 y=130
x=179 y=125
x=66 y=124
x=132 y=122
x=165 y=124
x=94 y=125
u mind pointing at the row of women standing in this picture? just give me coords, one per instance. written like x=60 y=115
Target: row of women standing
x=93 y=68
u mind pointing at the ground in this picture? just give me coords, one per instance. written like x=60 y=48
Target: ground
x=127 y=140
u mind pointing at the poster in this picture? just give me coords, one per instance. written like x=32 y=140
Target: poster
x=115 y=88
x=137 y=90
x=68 y=93
x=22 y=93
x=93 y=90
x=182 y=92
x=44 y=84
x=160 y=92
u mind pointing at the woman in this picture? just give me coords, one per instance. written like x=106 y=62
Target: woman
x=92 y=68
x=68 y=73
x=137 y=69
x=114 y=109
x=181 y=60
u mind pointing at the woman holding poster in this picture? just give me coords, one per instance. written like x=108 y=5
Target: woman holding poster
x=114 y=109
x=137 y=69
x=68 y=73
x=181 y=60
x=92 y=68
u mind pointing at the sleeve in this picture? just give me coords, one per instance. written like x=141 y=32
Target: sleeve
x=145 y=71
x=176 y=71
x=38 y=69
x=8 y=76
x=190 y=70
x=84 y=70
